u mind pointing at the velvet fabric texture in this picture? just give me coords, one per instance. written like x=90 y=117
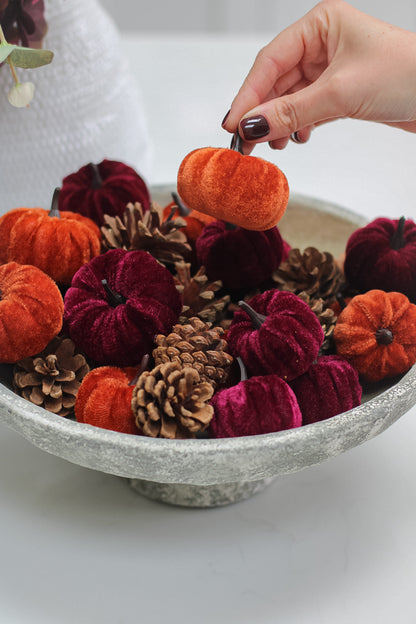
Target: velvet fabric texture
x=106 y=188
x=58 y=246
x=248 y=191
x=195 y=221
x=376 y=332
x=31 y=311
x=254 y=406
x=120 y=332
x=329 y=387
x=104 y=399
x=238 y=257
x=286 y=343
x=380 y=257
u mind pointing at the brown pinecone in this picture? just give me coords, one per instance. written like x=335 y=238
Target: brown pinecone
x=198 y=294
x=51 y=379
x=171 y=401
x=135 y=230
x=327 y=319
x=313 y=272
x=198 y=345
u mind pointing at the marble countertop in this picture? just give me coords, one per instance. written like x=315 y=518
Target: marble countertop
x=333 y=543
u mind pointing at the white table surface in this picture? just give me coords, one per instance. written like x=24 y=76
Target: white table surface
x=332 y=544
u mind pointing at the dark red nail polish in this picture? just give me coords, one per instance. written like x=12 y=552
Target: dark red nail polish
x=225 y=118
x=255 y=127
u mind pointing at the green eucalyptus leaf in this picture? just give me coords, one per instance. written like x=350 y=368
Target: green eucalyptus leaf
x=5 y=50
x=28 y=58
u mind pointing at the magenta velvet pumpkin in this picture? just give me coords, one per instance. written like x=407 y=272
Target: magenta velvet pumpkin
x=106 y=188
x=255 y=406
x=285 y=342
x=329 y=387
x=239 y=258
x=117 y=303
x=382 y=255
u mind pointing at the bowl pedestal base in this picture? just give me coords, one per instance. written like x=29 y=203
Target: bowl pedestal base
x=188 y=495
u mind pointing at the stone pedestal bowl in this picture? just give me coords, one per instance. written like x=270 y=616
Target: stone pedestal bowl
x=209 y=472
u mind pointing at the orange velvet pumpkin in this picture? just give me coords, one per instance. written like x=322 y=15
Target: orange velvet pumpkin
x=31 y=311
x=195 y=221
x=57 y=243
x=376 y=332
x=244 y=190
x=104 y=399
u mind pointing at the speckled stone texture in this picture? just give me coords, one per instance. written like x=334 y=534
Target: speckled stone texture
x=211 y=472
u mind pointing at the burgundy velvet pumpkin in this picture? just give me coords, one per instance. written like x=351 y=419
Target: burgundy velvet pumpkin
x=382 y=255
x=329 y=387
x=255 y=406
x=239 y=258
x=106 y=188
x=282 y=337
x=117 y=303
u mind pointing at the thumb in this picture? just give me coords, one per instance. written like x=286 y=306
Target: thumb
x=287 y=114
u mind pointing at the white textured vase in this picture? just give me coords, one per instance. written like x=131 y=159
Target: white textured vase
x=86 y=107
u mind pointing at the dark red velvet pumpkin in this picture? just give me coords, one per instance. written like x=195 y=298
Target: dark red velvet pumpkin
x=382 y=255
x=106 y=188
x=281 y=336
x=254 y=406
x=238 y=257
x=117 y=303
x=329 y=387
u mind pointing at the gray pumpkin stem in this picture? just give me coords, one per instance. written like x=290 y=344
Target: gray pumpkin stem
x=256 y=318
x=397 y=241
x=96 y=180
x=54 y=211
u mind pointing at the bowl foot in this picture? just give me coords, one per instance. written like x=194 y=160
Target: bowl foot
x=188 y=495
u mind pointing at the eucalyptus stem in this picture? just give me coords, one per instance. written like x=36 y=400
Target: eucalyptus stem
x=2 y=37
x=3 y=40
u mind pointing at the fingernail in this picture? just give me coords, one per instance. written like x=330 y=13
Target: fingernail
x=225 y=118
x=255 y=127
x=295 y=138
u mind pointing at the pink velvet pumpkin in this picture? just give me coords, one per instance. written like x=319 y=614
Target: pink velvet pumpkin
x=117 y=303
x=238 y=257
x=279 y=335
x=382 y=255
x=255 y=406
x=329 y=387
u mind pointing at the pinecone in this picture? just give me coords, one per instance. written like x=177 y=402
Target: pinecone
x=138 y=230
x=233 y=307
x=198 y=294
x=171 y=401
x=197 y=345
x=51 y=379
x=327 y=319
x=313 y=272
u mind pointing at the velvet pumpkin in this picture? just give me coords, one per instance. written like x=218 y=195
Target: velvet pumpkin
x=376 y=332
x=329 y=387
x=238 y=257
x=382 y=255
x=104 y=399
x=117 y=303
x=276 y=334
x=57 y=243
x=106 y=188
x=248 y=191
x=31 y=311
x=254 y=406
x=195 y=220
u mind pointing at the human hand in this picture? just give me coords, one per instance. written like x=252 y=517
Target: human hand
x=335 y=62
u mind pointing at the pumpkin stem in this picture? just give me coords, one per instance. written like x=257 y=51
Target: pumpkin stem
x=96 y=180
x=341 y=301
x=384 y=336
x=230 y=226
x=143 y=366
x=243 y=369
x=184 y=211
x=237 y=143
x=397 y=241
x=256 y=318
x=113 y=298
x=54 y=211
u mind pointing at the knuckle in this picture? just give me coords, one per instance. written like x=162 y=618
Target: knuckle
x=286 y=116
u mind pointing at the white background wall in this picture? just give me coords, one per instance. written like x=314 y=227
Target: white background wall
x=239 y=15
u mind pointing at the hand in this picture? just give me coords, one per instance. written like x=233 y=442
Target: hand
x=335 y=62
